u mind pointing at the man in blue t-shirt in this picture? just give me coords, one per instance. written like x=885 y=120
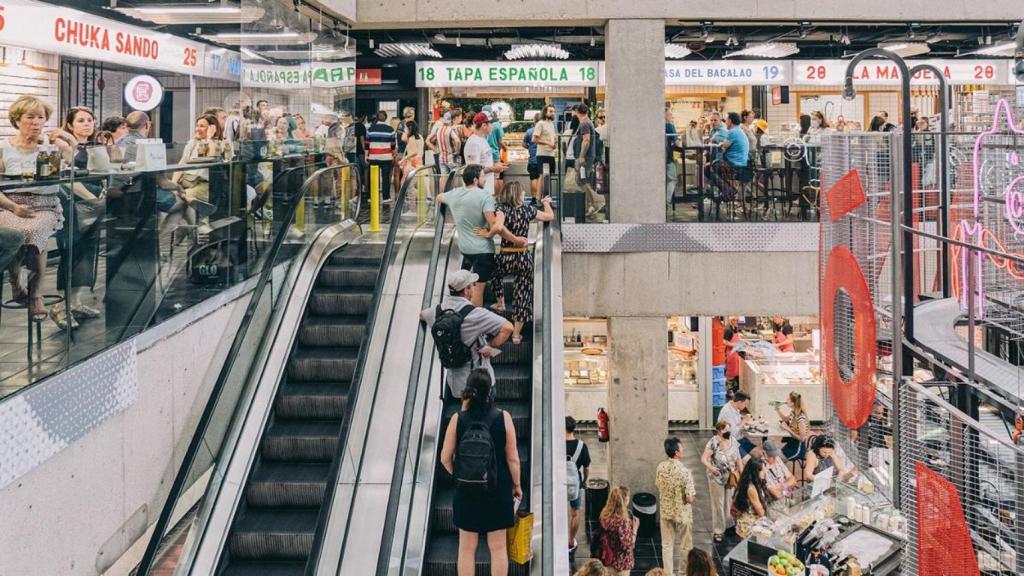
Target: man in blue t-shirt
x=496 y=140
x=732 y=167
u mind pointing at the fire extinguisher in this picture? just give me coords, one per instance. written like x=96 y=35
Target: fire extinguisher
x=599 y=177
x=602 y=425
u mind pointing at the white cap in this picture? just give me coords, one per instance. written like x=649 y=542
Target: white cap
x=462 y=279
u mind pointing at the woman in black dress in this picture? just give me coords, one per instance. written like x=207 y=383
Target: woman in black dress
x=515 y=216
x=489 y=512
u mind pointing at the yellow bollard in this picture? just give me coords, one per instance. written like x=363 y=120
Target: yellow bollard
x=421 y=197
x=346 y=173
x=374 y=198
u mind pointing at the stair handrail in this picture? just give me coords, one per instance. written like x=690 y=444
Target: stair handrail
x=181 y=477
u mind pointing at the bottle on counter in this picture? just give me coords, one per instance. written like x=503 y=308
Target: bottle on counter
x=44 y=169
x=55 y=160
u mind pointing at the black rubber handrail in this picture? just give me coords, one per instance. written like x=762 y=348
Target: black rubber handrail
x=401 y=455
x=180 y=479
x=332 y=476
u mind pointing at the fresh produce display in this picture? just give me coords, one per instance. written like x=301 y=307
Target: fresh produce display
x=785 y=564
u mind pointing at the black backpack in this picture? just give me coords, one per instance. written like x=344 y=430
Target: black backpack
x=476 y=469
x=447 y=333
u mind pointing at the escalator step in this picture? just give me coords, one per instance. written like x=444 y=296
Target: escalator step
x=316 y=401
x=521 y=353
x=340 y=301
x=442 y=515
x=322 y=364
x=334 y=276
x=333 y=331
x=519 y=409
x=358 y=255
x=513 y=381
x=273 y=534
x=443 y=555
x=301 y=440
x=264 y=568
x=289 y=485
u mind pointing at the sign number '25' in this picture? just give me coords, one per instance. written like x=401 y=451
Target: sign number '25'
x=191 y=57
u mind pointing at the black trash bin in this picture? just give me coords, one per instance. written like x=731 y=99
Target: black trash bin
x=597 y=497
x=574 y=205
x=645 y=507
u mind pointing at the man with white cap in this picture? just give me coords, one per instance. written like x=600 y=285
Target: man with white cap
x=481 y=330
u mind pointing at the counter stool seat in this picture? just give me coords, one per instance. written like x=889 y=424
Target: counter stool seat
x=35 y=338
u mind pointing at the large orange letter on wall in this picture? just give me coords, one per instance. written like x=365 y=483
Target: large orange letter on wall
x=943 y=543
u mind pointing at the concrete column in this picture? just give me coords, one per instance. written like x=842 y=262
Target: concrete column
x=635 y=77
x=637 y=399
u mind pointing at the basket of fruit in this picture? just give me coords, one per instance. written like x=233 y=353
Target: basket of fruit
x=785 y=564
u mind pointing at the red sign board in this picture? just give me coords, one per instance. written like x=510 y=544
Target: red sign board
x=368 y=77
x=776 y=95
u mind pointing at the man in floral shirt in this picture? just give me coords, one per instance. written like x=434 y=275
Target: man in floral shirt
x=676 y=494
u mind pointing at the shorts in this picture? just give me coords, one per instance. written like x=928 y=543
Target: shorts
x=449 y=168
x=165 y=199
x=548 y=161
x=483 y=265
x=533 y=170
x=578 y=502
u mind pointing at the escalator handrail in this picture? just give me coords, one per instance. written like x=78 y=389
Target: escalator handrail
x=356 y=387
x=401 y=455
x=181 y=477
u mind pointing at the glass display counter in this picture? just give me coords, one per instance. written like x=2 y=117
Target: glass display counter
x=683 y=369
x=769 y=378
x=585 y=365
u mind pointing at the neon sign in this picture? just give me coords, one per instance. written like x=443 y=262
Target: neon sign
x=973 y=230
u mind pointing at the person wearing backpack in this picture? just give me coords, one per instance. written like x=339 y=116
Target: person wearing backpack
x=577 y=471
x=480 y=453
x=465 y=336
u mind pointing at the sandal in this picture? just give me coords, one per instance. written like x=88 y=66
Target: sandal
x=517 y=339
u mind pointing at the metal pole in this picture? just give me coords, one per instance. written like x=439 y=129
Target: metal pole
x=943 y=167
x=900 y=367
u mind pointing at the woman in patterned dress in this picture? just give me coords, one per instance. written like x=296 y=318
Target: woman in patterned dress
x=619 y=531
x=515 y=216
x=34 y=210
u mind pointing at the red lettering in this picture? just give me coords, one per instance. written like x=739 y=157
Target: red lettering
x=59 y=28
x=3 y=21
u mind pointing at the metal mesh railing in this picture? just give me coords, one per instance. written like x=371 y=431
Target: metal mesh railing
x=962 y=481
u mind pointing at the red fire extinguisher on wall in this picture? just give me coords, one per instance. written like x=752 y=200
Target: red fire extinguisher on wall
x=602 y=425
x=600 y=178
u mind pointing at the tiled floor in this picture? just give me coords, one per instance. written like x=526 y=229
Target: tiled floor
x=648 y=549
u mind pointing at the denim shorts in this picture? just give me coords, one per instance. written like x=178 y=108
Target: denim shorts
x=165 y=200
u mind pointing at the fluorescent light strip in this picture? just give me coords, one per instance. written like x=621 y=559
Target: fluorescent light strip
x=534 y=51
x=171 y=15
x=187 y=9
x=402 y=49
x=286 y=38
x=1009 y=50
x=676 y=51
x=767 y=50
x=906 y=49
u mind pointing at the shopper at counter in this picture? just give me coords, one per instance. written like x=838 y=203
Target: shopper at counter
x=83 y=221
x=822 y=456
x=619 y=530
x=796 y=424
x=751 y=498
x=732 y=415
x=721 y=460
x=193 y=189
x=779 y=480
x=676 y=494
x=716 y=129
x=117 y=126
x=33 y=211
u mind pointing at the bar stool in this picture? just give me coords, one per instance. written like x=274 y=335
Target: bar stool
x=35 y=338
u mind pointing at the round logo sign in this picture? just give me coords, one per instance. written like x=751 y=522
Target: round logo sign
x=143 y=93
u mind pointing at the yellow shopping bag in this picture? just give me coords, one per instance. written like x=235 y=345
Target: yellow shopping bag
x=520 y=537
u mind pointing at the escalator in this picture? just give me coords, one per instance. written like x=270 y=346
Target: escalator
x=513 y=372
x=274 y=529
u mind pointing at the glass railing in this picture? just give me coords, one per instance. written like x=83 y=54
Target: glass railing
x=196 y=483
x=580 y=183
x=100 y=253
x=778 y=181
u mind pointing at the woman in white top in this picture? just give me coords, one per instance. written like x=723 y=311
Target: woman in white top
x=33 y=210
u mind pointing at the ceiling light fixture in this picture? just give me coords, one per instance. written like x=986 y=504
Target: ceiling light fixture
x=399 y=49
x=906 y=49
x=1005 y=50
x=766 y=50
x=676 y=51
x=535 y=51
x=282 y=38
x=214 y=14
x=805 y=29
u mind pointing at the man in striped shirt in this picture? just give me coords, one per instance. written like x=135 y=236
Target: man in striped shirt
x=380 y=151
x=447 y=144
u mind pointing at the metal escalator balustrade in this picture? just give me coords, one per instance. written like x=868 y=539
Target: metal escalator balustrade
x=184 y=517
x=274 y=531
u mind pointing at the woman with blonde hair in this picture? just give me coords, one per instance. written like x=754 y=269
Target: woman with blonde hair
x=796 y=424
x=34 y=211
x=593 y=567
x=619 y=530
x=514 y=215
